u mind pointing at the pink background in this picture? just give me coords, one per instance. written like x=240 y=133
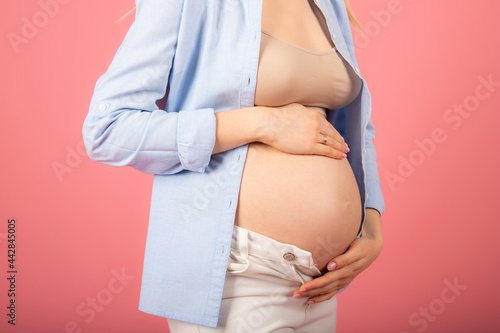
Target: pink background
x=81 y=223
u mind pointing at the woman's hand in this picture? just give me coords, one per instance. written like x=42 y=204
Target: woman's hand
x=345 y=267
x=295 y=129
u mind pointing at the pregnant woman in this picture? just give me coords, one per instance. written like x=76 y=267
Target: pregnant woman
x=258 y=218
x=299 y=199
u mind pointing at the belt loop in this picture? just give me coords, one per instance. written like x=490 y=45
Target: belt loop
x=243 y=241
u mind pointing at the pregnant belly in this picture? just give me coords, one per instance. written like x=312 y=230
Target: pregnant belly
x=309 y=201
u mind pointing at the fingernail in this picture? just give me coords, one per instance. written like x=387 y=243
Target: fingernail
x=297 y=295
x=310 y=302
x=348 y=150
x=302 y=290
x=344 y=155
x=331 y=266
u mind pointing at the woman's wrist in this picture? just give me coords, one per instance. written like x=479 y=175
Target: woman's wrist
x=240 y=126
x=372 y=227
x=261 y=122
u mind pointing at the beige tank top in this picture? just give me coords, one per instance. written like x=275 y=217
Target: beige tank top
x=289 y=73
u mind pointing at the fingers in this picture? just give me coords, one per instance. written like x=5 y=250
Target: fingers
x=322 y=298
x=335 y=145
x=338 y=151
x=331 y=265
x=326 y=288
x=324 y=293
x=320 y=291
x=332 y=134
x=299 y=130
x=354 y=253
x=324 y=283
x=325 y=127
x=348 y=266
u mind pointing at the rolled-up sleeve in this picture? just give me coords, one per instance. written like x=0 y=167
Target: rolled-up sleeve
x=124 y=126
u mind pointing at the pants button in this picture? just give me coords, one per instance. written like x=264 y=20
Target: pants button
x=289 y=256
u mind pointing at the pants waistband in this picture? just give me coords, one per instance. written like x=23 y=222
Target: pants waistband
x=251 y=243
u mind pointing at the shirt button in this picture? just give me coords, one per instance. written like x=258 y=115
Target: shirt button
x=333 y=36
x=364 y=151
x=366 y=196
x=102 y=107
x=289 y=256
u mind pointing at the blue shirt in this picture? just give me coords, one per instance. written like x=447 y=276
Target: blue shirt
x=153 y=109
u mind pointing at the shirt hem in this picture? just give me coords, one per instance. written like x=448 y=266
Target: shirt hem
x=205 y=321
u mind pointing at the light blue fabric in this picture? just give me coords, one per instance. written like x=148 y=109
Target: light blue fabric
x=206 y=53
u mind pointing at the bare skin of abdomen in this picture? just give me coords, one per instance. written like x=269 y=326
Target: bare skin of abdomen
x=309 y=201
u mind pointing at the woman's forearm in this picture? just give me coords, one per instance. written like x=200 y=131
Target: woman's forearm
x=290 y=128
x=372 y=227
x=237 y=127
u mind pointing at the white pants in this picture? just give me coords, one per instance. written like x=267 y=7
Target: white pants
x=261 y=276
